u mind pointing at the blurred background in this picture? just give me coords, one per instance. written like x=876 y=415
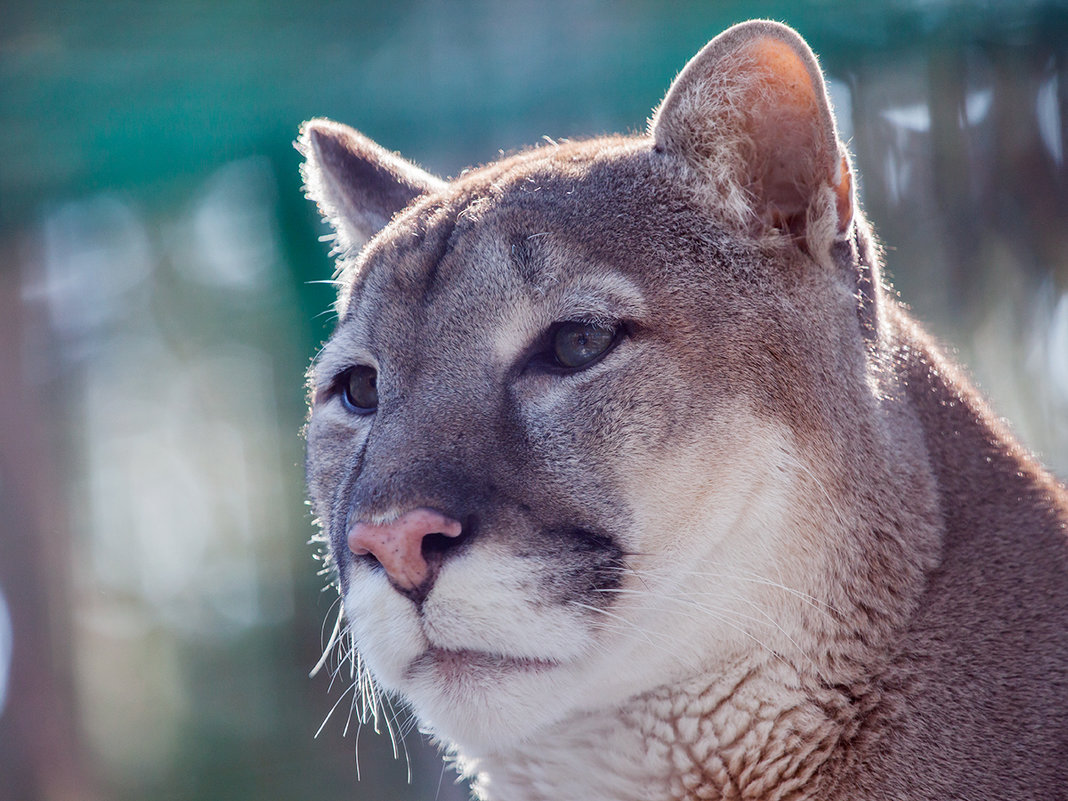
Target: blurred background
x=160 y=609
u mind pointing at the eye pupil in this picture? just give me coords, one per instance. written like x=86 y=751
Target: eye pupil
x=361 y=389
x=579 y=344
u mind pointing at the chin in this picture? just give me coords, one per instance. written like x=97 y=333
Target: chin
x=481 y=702
x=485 y=703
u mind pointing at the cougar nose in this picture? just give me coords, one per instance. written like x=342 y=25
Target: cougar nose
x=399 y=546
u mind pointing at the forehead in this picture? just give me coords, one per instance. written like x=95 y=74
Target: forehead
x=503 y=238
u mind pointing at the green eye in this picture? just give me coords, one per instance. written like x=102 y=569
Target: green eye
x=360 y=389
x=580 y=344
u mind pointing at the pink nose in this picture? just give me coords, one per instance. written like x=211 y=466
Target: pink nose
x=398 y=546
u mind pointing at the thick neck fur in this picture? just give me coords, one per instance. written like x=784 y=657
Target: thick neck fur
x=755 y=731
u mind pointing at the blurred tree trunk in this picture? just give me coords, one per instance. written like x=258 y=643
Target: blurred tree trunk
x=40 y=747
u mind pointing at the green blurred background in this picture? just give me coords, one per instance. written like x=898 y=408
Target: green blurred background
x=160 y=607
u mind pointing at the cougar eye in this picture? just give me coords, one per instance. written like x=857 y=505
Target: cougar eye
x=359 y=389
x=578 y=344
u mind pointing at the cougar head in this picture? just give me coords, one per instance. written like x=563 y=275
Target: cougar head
x=574 y=435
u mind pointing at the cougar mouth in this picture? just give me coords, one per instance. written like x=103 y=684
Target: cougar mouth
x=461 y=663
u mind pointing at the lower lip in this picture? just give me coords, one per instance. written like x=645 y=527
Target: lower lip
x=461 y=664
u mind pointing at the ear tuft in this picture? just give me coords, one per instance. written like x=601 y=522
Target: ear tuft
x=750 y=114
x=357 y=184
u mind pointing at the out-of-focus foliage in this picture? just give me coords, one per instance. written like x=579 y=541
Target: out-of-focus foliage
x=159 y=605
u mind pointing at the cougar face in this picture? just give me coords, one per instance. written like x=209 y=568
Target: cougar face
x=599 y=407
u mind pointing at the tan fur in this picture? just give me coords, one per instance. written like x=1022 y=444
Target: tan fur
x=769 y=545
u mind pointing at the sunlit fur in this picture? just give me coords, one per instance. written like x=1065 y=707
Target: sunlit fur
x=771 y=545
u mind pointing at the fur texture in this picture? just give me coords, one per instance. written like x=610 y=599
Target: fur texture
x=766 y=543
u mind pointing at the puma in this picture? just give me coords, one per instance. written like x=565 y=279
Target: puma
x=639 y=483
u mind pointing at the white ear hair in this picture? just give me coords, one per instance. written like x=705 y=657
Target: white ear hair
x=750 y=114
x=357 y=184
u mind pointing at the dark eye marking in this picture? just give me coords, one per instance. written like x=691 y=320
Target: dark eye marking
x=358 y=387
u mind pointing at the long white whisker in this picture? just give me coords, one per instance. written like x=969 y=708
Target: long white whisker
x=345 y=657
x=624 y=626
x=722 y=615
x=334 y=707
x=393 y=726
x=684 y=601
x=795 y=462
x=741 y=575
x=356 y=756
x=616 y=617
x=797 y=646
x=352 y=707
x=328 y=649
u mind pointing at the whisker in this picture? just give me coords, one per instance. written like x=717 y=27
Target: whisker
x=795 y=462
x=328 y=649
x=352 y=707
x=741 y=575
x=356 y=756
x=624 y=626
x=721 y=615
x=334 y=707
x=395 y=734
x=797 y=646
x=616 y=617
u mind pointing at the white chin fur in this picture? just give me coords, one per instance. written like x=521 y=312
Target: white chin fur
x=479 y=669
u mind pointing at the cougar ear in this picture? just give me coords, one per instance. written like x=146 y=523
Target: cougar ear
x=750 y=114
x=357 y=184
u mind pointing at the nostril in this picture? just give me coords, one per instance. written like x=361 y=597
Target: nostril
x=437 y=544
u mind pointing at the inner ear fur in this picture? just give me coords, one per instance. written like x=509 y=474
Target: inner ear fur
x=357 y=184
x=750 y=114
